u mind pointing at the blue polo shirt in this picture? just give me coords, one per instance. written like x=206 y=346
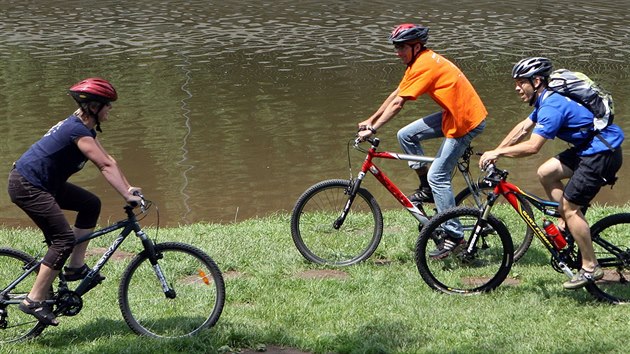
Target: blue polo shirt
x=558 y=116
x=49 y=162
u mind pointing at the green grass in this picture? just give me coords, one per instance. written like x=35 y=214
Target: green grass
x=380 y=306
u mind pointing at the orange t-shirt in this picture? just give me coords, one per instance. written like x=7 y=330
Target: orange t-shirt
x=433 y=74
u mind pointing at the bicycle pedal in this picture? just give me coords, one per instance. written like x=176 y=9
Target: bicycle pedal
x=95 y=282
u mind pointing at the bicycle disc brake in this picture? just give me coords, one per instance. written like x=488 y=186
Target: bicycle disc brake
x=69 y=303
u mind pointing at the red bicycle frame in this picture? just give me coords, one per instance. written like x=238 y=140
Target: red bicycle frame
x=510 y=191
x=369 y=166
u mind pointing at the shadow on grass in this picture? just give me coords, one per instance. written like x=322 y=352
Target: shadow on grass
x=384 y=337
x=112 y=336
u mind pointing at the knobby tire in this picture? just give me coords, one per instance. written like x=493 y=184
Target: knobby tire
x=197 y=281
x=312 y=222
x=462 y=272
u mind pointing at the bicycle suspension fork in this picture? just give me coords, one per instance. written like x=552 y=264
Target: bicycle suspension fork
x=149 y=248
x=352 y=193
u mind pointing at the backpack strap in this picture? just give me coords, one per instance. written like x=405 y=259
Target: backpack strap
x=595 y=134
x=600 y=137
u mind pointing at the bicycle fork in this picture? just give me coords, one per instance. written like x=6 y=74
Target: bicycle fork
x=352 y=193
x=153 y=256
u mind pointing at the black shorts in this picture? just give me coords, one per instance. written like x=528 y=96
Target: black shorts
x=590 y=173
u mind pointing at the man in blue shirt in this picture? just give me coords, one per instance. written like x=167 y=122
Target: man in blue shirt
x=589 y=164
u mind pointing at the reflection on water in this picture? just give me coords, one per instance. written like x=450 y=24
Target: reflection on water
x=230 y=110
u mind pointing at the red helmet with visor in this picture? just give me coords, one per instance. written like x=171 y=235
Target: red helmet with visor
x=93 y=89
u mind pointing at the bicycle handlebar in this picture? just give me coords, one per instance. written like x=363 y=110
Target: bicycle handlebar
x=373 y=141
x=493 y=173
x=143 y=201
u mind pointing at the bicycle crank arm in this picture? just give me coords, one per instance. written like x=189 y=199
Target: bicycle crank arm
x=565 y=269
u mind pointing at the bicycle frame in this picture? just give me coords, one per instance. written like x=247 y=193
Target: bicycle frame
x=128 y=225
x=369 y=166
x=510 y=191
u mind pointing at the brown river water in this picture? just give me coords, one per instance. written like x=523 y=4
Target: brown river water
x=230 y=110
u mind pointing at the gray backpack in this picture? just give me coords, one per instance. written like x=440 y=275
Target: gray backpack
x=583 y=90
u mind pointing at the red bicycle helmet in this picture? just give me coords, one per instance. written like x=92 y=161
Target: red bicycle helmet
x=93 y=89
x=409 y=32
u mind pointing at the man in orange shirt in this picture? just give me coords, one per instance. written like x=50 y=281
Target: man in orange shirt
x=461 y=119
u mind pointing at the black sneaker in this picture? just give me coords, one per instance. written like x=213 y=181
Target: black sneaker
x=447 y=246
x=422 y=195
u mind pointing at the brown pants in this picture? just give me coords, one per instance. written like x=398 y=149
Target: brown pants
x=46 y=210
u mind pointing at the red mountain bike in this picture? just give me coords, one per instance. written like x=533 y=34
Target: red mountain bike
x=486 y=261
x=338 y=222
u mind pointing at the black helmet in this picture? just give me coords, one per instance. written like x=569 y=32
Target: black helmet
x=530 y=67
x=408 y=32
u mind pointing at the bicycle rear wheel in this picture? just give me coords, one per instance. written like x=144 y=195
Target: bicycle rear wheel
x=480 y=267
x=522 y=235
x=17 y=325
x=608 y=233
x=199 y=292
x=317 y=210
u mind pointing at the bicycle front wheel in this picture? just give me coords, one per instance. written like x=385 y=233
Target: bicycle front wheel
x=195 y=299
x=480 y=266
x=522 y=235
x=16 y=324
x=314 y=216
x=612 y=249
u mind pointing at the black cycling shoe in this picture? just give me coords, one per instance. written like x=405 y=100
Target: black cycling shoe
x=422 y=195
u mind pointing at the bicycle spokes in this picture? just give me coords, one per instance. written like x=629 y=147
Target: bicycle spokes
x=480 y=266
x=180 y=295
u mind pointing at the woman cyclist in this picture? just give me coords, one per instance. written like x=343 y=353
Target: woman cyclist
x=38 y=185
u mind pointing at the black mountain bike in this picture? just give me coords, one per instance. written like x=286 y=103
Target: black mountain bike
x=168 y=290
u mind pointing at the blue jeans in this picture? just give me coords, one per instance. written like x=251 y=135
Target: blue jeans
x=439 y=176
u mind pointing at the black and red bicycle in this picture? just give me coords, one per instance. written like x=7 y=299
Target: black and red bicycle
x=487 y=260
